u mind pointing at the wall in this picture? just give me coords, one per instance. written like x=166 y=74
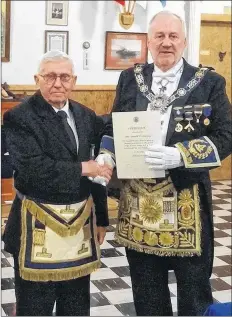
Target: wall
x=88 y=21
x=214 y=7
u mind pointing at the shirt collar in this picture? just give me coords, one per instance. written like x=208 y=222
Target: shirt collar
x=65 y=108
x=173 y=70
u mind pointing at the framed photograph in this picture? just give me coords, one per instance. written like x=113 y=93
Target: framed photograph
x=57 y=12
x=124 y=49
x=5 y=30
x=56 y=40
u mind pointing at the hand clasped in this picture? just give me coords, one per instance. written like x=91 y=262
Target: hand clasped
x=101 y=160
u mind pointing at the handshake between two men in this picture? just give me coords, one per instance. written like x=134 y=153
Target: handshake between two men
x=157 y=156
x=100 y=170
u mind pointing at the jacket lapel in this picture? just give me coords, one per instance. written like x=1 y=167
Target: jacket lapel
x=52 y=122
x=187 y=74
x=141 y=100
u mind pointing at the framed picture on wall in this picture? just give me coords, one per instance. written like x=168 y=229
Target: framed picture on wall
x=124 y=49
x=57 y=12
x=56 y=40
x=5 y=30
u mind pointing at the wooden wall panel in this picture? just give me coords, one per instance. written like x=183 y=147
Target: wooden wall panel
x=216 y=38
x=99 y=98
x=100 y=101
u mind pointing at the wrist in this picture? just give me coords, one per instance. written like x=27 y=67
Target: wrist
x=84 y=169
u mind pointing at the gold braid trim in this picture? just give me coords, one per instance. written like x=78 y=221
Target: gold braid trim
x=159 y=252
x=198 y=217
x=59 y=274
x=184 y=153
x=59 y=228
x=45 y=275
x=123 y=235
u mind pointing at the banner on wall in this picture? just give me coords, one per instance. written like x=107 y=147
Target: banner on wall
x=120 y=2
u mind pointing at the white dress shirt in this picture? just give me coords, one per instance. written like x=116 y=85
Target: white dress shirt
x=70 y=120
x=170 y=88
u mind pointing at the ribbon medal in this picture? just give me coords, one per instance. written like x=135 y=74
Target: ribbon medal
x=198 y=112
x=206 y=109
x=189 y=118
x=178 y=116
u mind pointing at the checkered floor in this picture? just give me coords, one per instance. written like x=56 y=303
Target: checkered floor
x=111 y=293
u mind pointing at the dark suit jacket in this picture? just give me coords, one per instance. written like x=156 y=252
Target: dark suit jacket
x=6 y=166
x=212 y=91
x=46 y=166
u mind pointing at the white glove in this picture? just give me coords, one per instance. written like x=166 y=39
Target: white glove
x=102 y=159
x=163 y=157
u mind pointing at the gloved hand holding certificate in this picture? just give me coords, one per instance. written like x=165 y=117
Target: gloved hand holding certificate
x=133 y=133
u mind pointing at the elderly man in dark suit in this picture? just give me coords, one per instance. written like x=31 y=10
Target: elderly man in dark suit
x=59 y=217
x=167 y=224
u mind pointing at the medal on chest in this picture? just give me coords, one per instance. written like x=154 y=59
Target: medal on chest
x=206 y=109
x=178 y=117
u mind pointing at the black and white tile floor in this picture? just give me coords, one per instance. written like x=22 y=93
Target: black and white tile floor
x=111 y=293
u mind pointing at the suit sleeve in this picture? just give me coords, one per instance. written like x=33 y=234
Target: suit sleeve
x=99 y=194
x=32 y=166
x=209 y=150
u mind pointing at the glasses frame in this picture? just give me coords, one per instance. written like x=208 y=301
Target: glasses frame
x=57 y=76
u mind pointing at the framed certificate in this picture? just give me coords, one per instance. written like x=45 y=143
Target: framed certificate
x=133 y=133
x=56 y=40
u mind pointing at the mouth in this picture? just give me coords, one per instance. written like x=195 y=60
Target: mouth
x=166 y=52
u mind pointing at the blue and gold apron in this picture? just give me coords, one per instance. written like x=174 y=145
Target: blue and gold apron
x=58 y=242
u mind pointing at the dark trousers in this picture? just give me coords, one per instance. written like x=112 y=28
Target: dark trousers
x=37 y=298
x=149 y=276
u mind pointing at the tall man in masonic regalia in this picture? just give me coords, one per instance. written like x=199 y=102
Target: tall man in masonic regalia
x=167 y=224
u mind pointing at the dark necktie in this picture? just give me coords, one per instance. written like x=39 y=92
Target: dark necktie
x=63 y=115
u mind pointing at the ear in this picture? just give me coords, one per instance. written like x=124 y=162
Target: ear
x=185 y=42
x=74 y=80
x=36 y=78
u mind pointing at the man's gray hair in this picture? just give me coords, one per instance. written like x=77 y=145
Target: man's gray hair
x=55 y=55
x=166 y=12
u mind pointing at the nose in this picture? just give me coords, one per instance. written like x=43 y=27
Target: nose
x=166 y=42
x=57 y=82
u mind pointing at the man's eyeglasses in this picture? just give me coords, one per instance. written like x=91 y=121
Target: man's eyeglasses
x=52 y=77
